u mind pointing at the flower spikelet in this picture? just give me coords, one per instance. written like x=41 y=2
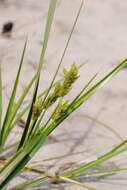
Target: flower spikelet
x=62 y=89
x=60 y=110
x=37 y=109
x=69 y=78
x=52 y=98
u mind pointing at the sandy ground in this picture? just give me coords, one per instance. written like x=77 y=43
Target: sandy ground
x=100 y=39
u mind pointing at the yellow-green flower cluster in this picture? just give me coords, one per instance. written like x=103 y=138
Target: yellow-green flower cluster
x=52 y=98
x=37 y=109
x=61 y=89
x=60 y=110
x=69 y=78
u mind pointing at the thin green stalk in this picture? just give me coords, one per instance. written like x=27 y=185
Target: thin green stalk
x=100 y=173
x=36 y=182
x=96 y=162
x=31 y=183
x=82 y=91
x=50 y=118
x=103 y=173
x=36 y=126
x=55 y=178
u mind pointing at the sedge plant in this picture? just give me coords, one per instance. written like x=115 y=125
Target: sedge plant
x=34 y=132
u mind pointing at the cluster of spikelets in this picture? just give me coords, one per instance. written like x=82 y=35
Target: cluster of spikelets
x=61 y=89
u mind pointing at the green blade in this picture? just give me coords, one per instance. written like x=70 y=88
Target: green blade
x=20 y=100
x=51 y=11
x=50 y=17
x=101 y=83
x=81 y=92
x=12 y=98
x=17 y=106
x=114 y=152
x=29 y=118
x=103 y=173
x=31 y=183
x=64 y=52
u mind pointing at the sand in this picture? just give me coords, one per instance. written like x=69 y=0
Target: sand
x=100 y=40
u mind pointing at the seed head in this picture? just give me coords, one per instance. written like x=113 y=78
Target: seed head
x=37 y=109
x=52 y=98
x=69 y=78
x=62 y=89
x=60 y=110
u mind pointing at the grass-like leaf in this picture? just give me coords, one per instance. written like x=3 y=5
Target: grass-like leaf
x=28 y=122
x=18 y=105
x=31 y=183
x=4 y=130
x=50 y=17
x=101 y=159
x=56 y=178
